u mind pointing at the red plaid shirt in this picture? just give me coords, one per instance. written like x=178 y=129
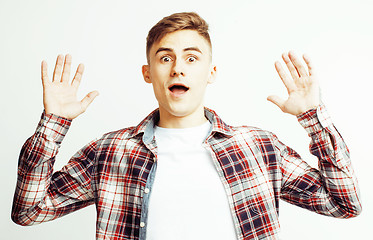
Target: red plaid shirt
x=116 y=173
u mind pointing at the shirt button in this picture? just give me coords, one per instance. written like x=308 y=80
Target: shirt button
x=142 y=224
x=146 y=190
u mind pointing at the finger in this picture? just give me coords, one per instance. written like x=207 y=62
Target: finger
x=66 y=69
x=289 y=83
x=44 y=73
x=58 y=68
x=298 y=64
x=88 y=99
x=309 y=64
x=293 y=71
x=78 y=76
x=279 y=102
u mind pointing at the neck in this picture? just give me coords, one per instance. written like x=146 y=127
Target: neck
x=169 y=120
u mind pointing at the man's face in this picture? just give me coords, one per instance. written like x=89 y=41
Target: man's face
x=179 y=70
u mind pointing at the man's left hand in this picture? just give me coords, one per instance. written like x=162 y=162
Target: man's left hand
x=302 y=87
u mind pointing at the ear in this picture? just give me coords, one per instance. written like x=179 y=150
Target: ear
x=146 y=73
x=212 y=76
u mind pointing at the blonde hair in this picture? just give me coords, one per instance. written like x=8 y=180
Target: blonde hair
x=176 y=22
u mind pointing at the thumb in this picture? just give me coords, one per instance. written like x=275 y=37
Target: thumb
x=279 y=102
x=88 y=99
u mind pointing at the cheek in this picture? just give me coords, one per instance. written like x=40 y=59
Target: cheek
x=157 y=78
x=158 y=88
x=158 y=69
x=202 y=76
x=202 y=69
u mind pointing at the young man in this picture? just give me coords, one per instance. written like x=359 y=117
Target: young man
x=183 y=173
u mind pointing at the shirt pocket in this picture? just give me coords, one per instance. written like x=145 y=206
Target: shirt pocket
x=257 y=190
x=101 y=234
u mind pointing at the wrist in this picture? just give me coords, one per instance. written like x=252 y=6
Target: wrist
x=307 y=109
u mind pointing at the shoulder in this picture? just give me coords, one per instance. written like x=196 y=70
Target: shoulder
x=264 y=140
x=220 y=126
x=253 y=132
x=117 y=137
x=121 y=133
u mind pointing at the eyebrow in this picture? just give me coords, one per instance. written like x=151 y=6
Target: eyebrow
x=161 y=49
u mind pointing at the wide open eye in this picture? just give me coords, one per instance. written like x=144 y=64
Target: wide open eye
x=166 y=59
x=191 y=59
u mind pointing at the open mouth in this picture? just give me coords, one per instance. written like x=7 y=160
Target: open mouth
x=178 y=88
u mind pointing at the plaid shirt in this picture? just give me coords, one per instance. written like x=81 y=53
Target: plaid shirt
x=116 y=173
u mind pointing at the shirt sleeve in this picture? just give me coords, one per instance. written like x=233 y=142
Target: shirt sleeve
x=331 y=189
x=42 y=195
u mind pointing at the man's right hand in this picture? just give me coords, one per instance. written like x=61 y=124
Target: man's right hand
x=59 y=95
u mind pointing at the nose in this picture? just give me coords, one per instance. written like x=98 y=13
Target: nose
x=177 y=69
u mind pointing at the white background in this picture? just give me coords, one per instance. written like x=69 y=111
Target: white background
x=248 y=36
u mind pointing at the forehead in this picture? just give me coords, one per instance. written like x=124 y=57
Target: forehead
x=182 y=39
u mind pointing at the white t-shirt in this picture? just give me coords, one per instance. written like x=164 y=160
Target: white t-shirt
x=188 y=200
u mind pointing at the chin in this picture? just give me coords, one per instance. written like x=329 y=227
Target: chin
x=181 y=111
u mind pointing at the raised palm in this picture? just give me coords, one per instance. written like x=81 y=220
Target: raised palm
x=302 y=87
x=60 y=95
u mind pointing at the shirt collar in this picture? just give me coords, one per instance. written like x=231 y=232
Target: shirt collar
x=146 y=126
